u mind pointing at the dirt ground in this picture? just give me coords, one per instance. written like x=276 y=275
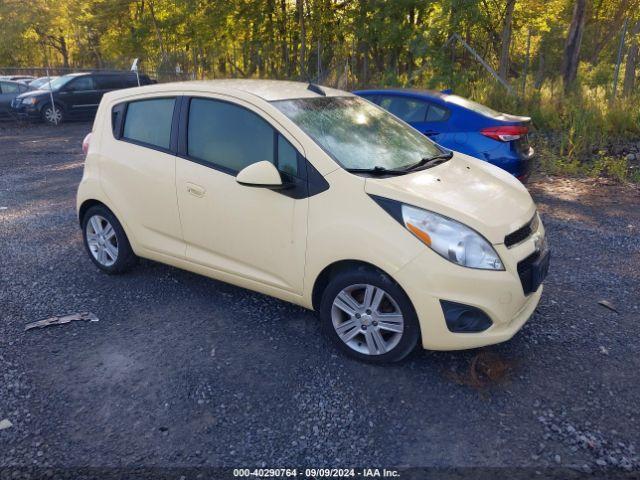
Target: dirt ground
x=184 y=371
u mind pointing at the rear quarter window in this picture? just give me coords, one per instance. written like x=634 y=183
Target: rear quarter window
x=149 y=122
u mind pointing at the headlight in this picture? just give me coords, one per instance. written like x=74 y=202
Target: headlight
x=452 y=240
x=29 y=100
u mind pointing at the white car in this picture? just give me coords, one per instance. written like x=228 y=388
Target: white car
x=320 y=198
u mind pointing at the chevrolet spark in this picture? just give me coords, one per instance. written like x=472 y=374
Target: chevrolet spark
x=320 y=198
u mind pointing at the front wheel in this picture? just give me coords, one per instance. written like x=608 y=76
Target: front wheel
x=52 y=114
x=369 y=316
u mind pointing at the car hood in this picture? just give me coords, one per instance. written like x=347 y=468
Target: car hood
x=471 y=191
x=34 y=93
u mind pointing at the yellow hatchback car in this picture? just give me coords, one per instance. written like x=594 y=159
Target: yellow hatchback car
x=317 y=197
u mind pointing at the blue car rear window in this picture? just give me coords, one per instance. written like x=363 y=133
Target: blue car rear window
x=471 y=105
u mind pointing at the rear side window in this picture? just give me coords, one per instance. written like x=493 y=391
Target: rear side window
x=149 y=122
x=110 y=82
x=437 y=114
x=228 y=135
x=408 y=109
x=7 y=87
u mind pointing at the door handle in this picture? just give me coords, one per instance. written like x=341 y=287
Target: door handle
x=431 y=133
x=195 y=190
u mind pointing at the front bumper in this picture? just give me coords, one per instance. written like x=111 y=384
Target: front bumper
x=429 y=278
x=25 y=111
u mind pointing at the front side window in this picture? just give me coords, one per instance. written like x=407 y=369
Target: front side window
x=287 y=157
x=81 y=84
x=228 y=135
x=149 y=121
x=357 y=134
x=408 y=109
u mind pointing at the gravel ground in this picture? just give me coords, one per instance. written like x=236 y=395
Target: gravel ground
x=181 y=370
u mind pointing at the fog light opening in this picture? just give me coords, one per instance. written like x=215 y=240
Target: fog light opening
x=461 y=318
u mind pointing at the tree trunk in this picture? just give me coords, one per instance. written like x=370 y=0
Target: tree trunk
x=540 y=72
x=610 y=31
x=503 y=69
x=303 y=37
x=572 y=46
x=157 y=30
x=632 y=60
x=284 y=48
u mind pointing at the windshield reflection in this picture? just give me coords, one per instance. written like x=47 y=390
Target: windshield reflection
x=358 y=134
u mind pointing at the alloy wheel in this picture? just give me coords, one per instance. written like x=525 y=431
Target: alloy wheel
x=53 y=115
x=102 y=240
x=367 y=319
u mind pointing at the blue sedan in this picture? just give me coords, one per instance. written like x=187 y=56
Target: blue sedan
x=462 y=125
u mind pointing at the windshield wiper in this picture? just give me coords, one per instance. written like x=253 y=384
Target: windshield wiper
x=377 y=170
x=421 y=165
x=429 y=162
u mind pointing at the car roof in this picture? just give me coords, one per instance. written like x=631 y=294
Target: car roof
x=268 y=90
x=102 y=72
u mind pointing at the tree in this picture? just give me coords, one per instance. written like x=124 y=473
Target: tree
x=503 y=69
x=632 y=60
x=573 y=43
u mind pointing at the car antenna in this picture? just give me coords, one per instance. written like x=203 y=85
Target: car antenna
x=315 y=88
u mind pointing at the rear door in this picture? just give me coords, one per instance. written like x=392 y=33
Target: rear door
x=81 y=96
x=138 y=172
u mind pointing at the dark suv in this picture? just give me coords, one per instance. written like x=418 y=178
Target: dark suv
x=76 y=95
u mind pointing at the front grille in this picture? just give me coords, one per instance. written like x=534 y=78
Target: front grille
x=525 y=272
x=522 y=233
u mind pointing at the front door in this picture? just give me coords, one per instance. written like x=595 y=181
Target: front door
x=252 y=233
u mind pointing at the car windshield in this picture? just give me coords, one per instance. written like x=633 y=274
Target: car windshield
x=39 y=82
x=56 y=83
x=358 y=134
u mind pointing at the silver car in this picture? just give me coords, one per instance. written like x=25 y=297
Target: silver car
x=8 y=91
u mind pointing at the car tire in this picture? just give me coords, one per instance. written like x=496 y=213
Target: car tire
x=106 y=242
x=368 y=316
x=52 y=115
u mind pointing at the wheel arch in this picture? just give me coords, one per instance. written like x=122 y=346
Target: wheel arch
x=86 y=205
x=56 y=102
x=324 y=277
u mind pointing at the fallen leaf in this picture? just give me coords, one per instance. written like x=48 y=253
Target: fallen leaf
x=608 y=304
x=62 y=319
x=4 y=424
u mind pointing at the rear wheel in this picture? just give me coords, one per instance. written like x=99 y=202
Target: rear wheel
x=52 y=114
x=106 y=242
x=369 y=316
